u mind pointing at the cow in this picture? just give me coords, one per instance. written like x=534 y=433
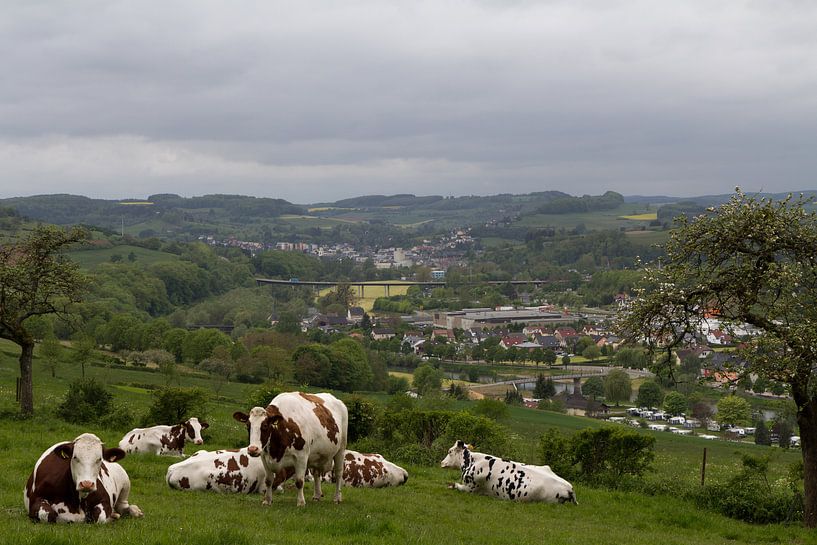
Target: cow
x=299 y=431
x=229 y=471
x=371 y=471
x=79 y=481
x=492 y=476
x=164 y=440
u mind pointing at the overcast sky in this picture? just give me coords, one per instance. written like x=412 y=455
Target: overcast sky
x=315 y=101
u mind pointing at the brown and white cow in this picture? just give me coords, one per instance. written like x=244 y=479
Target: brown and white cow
x=492 y=476
x=79 y=481
x=371 y=471
x=229 y=471
x=299 y=431
x=164 y=440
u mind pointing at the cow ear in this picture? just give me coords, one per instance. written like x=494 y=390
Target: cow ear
x=460 y=444
x=241 y=417
x=65 y=451
x=204 y=425
x=113 y=454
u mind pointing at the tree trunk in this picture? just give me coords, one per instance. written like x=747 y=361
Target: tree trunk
x=807 y=420
x=26 y=378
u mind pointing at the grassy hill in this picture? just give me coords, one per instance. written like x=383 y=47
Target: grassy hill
x=422 y=511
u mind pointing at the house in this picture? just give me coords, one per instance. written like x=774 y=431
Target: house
x=513 y=339
x=547 y=341
x=382 y=333
x=577 y=405
x=355 y=315
x=447 y=334
x=414 y=342
x=327 y=320
x=566 y=336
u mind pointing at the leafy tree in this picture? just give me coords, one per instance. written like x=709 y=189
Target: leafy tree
x=634 y=358
x=175 y=405
x=565 y=360
x=649 y=394
x=734 y=410
x=593 y=387
x=544 y=388
x=617 y=386
x=675 y=403
x=427 y=379
x=752 y=261
x=83 y=350
x=220 y=365
x=200 y=344
x=288 y=323
x=492 y=408
x=51 y=352
x=762 y=436
x=36 y=280
x=513 y=397
x=592 y=352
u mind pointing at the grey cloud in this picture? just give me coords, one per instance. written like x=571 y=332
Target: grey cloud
x=478 y=97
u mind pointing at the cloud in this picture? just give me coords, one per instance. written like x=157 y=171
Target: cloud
x=445 y=96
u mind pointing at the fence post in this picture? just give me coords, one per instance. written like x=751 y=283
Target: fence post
x=19 y=382
x=703 y=468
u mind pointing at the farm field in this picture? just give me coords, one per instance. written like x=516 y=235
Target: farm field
x=422 y=511
x=88 y=259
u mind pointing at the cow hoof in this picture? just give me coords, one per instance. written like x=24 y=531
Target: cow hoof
x=338 y=498
x=115 y=515
x=266 y=502
x=317 y=498
x=135 y=511
x=452 y=486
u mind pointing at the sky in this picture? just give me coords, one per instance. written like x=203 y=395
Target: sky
x=313 y=101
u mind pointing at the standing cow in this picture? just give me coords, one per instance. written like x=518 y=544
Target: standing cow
x=492 y=476
x=299 y=431
x=79 y=481
x=222 y=471
x=164 y=440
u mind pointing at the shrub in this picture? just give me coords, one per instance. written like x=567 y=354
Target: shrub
x=363 y=415
x=482 y=432
x=261 y=396
x=85 y=401
x=598 y=456
x=174 y=405
x=415 y=426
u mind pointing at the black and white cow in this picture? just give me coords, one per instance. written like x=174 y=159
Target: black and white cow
x=79 y=481
x=492 y=476
x=299 y=431
x=163 y=440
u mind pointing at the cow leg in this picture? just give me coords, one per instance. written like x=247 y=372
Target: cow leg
x=337 y=474
x=42 y=511
x=462 y=487
x=122 y=506
x=300 y=475
x=316 y=477
x=268 y=482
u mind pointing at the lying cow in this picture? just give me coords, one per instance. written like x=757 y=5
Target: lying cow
x=492 y=476
x=222 y=471
x=79 y=481
x=164 y=440
x=371 y=471
x=299 y=431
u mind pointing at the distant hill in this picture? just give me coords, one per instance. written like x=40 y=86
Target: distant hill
x=63 y=209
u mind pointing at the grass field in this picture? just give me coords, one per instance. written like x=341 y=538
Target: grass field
x=422 y=511
x=370 y=293
x=88 y=259
x=649 y=216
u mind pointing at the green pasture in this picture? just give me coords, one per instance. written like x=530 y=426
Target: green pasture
x=602 y=219
x=88 y=259
x=422 y=511
x=647 y=237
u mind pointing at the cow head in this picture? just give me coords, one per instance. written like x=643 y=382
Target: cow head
x=86 y=454
x=193 y=429
x=456 y=456
x=260 y=423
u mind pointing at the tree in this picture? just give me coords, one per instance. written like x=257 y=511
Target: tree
x=634 y=358
x=592 y=352
x=676 y=403
x=649 y=394
x=427 y=379
x=288 y=323
x=593 y=387
x=617 y=386
x=762 y=436
x=83 y=349
x=750 y=261
x=51 y=352
x=36 y=280
x=734 y=410
x=544 y=388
